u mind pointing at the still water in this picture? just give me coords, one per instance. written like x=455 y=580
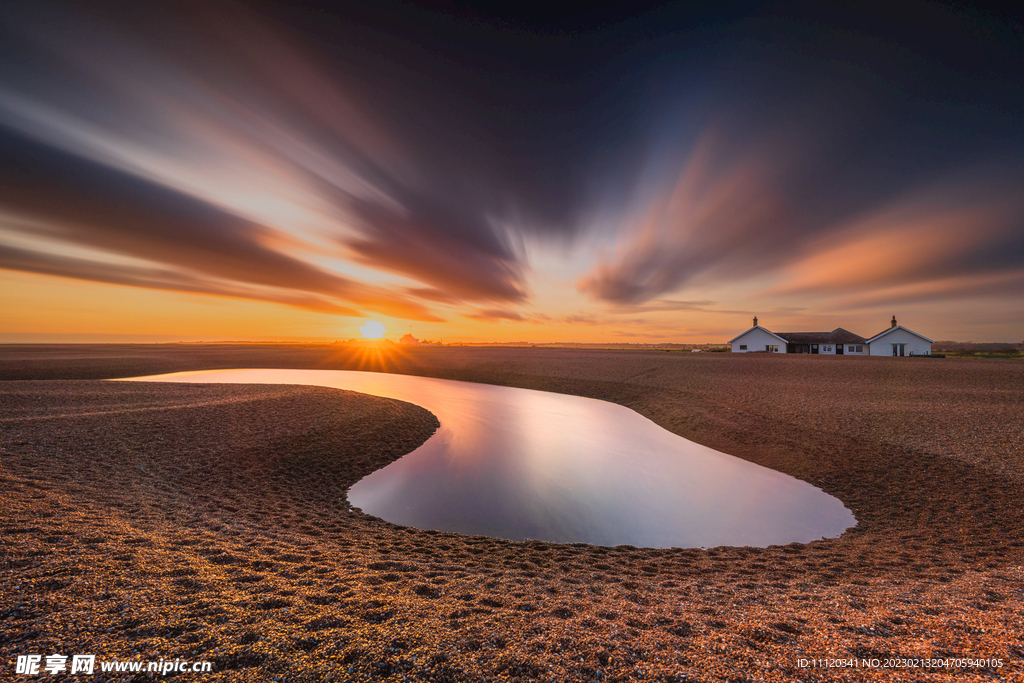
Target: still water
x=521 y=464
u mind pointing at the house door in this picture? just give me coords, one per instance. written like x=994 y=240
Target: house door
x=839 y=349
x=814 y=348
x=897 y=349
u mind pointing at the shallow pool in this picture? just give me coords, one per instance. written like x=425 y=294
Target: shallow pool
x=522 y=464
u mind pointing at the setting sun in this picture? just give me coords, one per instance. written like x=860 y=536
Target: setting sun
x=372 y=330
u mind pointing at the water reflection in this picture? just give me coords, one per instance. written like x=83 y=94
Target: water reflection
x=521 y=464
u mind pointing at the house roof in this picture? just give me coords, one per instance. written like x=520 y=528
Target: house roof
x=758 y=327
x=899 y=327
x=836 y=336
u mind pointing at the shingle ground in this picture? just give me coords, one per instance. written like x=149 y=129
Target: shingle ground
x=210 y=522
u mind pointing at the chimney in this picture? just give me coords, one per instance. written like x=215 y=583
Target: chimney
x=893 y=322
x=755 y=321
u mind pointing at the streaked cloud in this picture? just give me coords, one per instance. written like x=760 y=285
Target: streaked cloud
x=207 y=146
x=659 y=174
x=953 y=241
x=496 y=314
x=171 y=280
x=710 y=218
x=957 y=237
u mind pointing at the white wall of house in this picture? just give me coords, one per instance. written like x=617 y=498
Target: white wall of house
x=755 y=339
x=913 y=344
x=827 y=349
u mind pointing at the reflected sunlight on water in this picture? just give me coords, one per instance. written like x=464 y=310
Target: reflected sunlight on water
x=522 y=464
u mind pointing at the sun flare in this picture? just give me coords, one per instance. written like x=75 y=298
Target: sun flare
x=372 y=330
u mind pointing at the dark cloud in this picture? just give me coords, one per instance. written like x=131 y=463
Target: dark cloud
x=835 y=119
x=275 y=138
x=437 y=248
x=725 y=222
x=309 y=156
x=710 y=218
x=156 y=278
x=77 y=201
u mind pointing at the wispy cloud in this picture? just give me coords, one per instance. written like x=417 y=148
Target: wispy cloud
x=956 y=237
x=712 y=218
x=667 y=305
x=664 y=174
x=955 y=240
x=505 y=314
x=67 y=198
x=207 y=146
x=430 y=246
x=158 y=278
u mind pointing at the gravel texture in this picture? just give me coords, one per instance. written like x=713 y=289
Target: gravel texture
x=208 y=522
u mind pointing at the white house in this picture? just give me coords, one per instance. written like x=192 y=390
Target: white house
x=896 y=341
x=758 y=339
x=899 y=341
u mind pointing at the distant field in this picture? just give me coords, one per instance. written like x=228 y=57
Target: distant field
x=977 y=354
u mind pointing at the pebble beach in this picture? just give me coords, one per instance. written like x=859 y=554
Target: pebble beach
x=210 y=523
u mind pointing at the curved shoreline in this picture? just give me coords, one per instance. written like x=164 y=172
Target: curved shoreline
x=933 y=567
x=585 y=492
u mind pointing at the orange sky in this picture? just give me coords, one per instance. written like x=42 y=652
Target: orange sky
x=38 y=308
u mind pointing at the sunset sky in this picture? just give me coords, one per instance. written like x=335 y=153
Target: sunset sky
x=220 y=171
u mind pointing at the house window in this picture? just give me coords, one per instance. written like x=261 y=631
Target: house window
x=828 y=349
x=860 y=349
x=743 y=347
x=853 y=349
x=771 y=348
